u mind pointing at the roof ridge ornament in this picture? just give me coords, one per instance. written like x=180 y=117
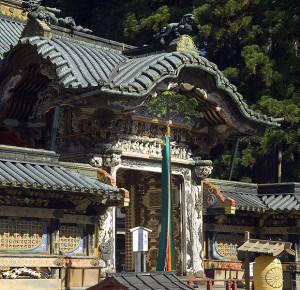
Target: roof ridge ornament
x=48 y=15
x=174 y=30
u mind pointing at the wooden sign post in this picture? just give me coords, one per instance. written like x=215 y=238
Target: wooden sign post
x=139 y=245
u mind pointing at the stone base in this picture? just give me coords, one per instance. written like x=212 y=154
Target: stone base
x=30 y=284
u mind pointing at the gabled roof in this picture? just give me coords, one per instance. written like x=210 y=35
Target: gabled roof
x=274 y=248
x=83 y=65
x=132 y=281
x=255 y=197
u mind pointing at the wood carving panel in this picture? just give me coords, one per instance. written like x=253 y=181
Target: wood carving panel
x=150 y=217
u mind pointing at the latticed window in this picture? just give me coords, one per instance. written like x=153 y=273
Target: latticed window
x=225 y=245
x=23 y=235
x=71 y=239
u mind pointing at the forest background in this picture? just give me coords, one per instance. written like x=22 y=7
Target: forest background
x=256 y=45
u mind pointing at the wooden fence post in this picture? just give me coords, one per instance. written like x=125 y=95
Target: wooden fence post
x=228 y=285
x=234 y=285
x=209 y=285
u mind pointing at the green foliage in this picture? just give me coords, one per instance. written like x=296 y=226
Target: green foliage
x=256 y=44
x=257 y=63
x=148 y=25
x=170 y=104
x=231 y=73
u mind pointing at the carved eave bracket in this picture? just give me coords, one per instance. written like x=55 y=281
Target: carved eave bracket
x=108 y=158
x=214 y=202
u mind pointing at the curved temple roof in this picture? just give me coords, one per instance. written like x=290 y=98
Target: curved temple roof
x=86 y=62
x=83 y=65
x=76 y=65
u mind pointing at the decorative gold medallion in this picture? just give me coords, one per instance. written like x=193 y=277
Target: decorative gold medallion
x=274 y=277
x=186 y=44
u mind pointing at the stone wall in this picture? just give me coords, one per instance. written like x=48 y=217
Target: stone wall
x=30 y=284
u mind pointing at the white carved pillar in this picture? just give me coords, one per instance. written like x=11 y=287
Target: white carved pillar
x=107 y=222
x=194 y=218
x=194 y=227
x=107 y=242
x=197 y=231
x=113 y=173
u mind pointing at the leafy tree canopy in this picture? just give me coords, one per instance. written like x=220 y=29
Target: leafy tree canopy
x=170 y=104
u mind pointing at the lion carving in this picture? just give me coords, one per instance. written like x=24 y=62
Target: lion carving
x=175 y=30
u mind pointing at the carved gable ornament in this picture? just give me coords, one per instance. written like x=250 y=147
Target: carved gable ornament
x=37 y=28
x=214 y=202
x=186 y=44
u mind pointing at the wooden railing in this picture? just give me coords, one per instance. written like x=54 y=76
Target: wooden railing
x=229 y=284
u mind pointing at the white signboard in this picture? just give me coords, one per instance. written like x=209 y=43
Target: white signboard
x=140 y=239
x=251 y=269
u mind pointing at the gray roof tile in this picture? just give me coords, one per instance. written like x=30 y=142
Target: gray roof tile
x=10 y=32
x=245 y=201
x=25 y=171
x=257 y=196
x=76 y=64
x=83 y=65
x=144 y=281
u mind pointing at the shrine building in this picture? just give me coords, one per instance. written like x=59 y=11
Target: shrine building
x=75 y=106
x=268 y=211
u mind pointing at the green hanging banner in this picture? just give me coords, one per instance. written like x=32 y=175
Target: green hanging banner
x=166 y=252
